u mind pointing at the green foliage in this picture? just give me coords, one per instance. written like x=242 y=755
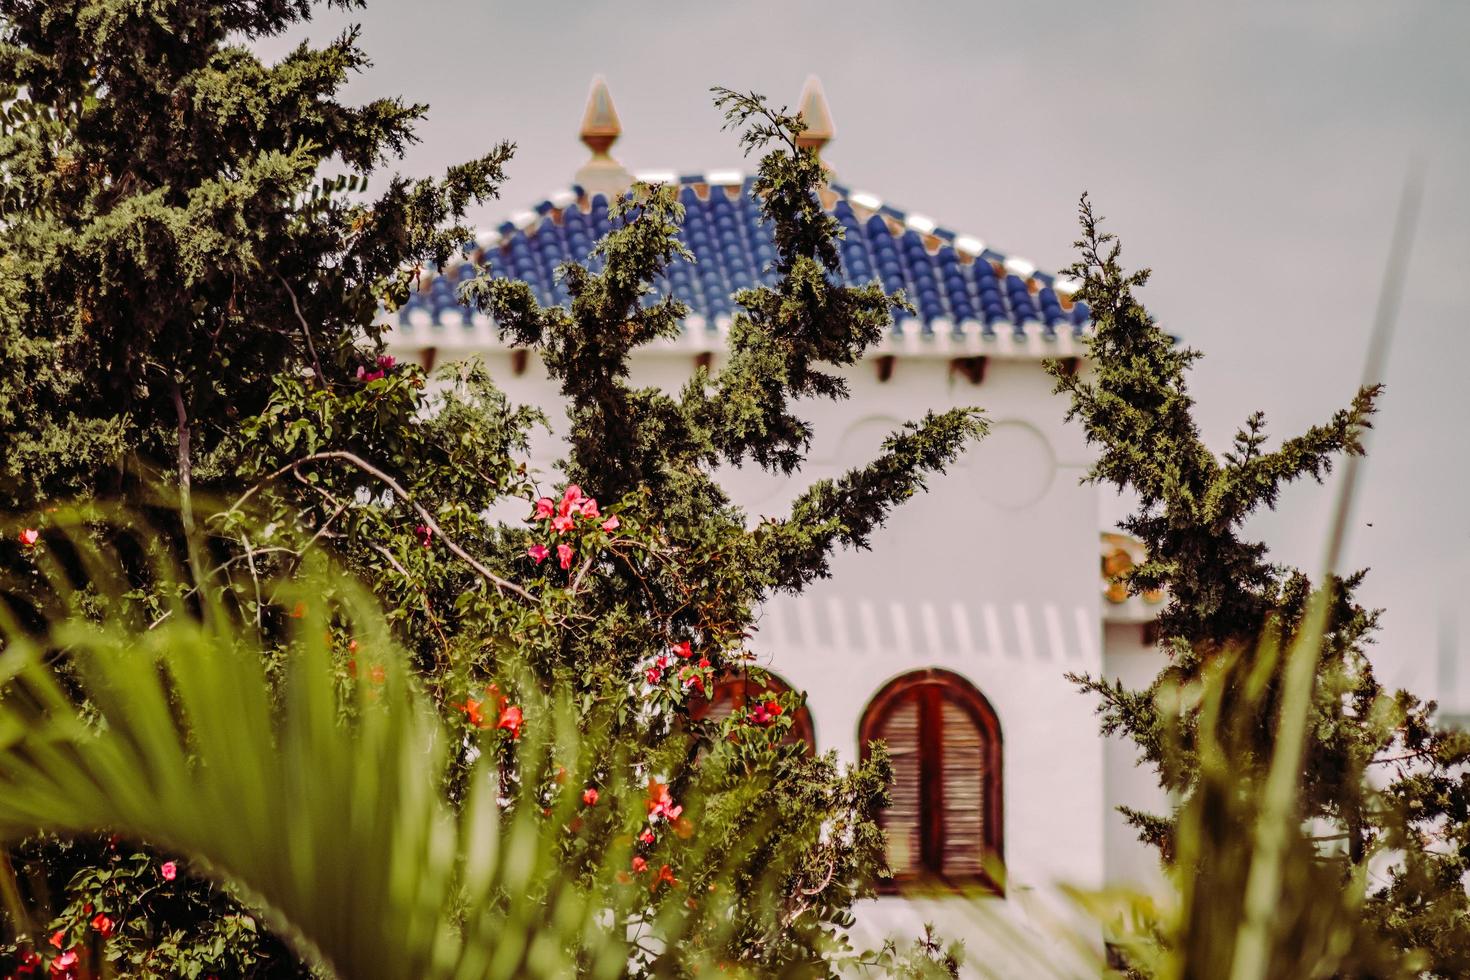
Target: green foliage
x=316 y=797
x=1381 y=787
x=189 y=322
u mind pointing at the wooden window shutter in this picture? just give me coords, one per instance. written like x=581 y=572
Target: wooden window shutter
x=903 y=820
x=944 y=819
x=962 y=762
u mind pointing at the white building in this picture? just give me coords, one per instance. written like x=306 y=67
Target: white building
x=950 y=639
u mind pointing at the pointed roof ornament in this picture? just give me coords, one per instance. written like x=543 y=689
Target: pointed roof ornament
x=600 y=130
x=814 y=112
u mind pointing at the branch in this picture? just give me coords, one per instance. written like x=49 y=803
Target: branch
x=316 y=365
x=501 y=585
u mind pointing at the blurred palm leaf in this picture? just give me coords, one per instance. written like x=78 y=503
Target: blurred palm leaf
x=318 y=799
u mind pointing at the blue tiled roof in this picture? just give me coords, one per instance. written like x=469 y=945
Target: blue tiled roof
x=955 y=282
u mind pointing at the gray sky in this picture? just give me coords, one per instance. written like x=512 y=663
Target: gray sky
x=1251 y=154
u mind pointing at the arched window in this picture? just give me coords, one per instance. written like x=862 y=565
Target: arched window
x=740 y=689
x=944 y=821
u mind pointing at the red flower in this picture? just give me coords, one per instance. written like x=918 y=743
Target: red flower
x=692 y=678
x=564 y=555
x=58 y=938
x=298 y=611
x=563 y=523
x=654 y=675
x=589 y=796
x=29 y=961
x=511 y=720
x=545 y=507
x=611 y=524
x=589 y=508
x=169 y=870
x=103 y=925
x=366 y=376
x=665 y=873
x=29 y=536
x=471 y=709
x=647 y=837
x=640 y=865
x=704 y=661
x=683 y=650
x=538 y=552
x=765 y=714
x=425 y=532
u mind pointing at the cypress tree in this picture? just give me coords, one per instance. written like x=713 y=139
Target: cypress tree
x=1379 y=781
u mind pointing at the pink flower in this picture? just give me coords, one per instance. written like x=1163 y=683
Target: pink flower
x=589 y=796
x=538 y=552
x=611 y=524
x=63 y=964
x=103 y=925
x=692 y=678
x=366 y=376
x=169 y=870
x=570 y=500
x=640 y=865
x=511 y=720
x=647 y=837
x=589 y=508
x=564 y=555
x=425 y=532
x=563 y=523
x=545 y=507
x=683 y=650
x=387 y=361
x=29 y=537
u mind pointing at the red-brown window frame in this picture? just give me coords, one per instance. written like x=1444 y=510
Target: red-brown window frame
x=741 y=685
x=932 y=686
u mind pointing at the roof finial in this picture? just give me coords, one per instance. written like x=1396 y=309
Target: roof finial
x=600 y=130
x=814 y=112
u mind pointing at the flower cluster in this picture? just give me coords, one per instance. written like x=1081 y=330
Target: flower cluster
x=765 y=714
x=695 y=675
x=563 y=517
x=508 y=717
x=385 y=363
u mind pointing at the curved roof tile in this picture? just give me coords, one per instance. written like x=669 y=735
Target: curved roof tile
x=953 y=288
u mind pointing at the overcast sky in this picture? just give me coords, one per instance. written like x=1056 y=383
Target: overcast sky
x=1251 y=154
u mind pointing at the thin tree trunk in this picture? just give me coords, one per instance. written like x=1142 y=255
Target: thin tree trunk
x=185 y=505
